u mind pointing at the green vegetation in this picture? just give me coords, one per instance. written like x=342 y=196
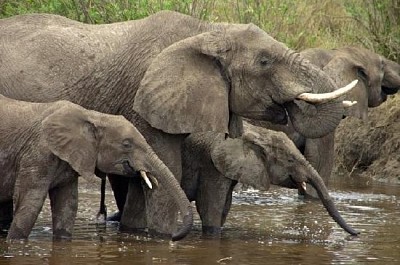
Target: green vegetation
x=374 y=24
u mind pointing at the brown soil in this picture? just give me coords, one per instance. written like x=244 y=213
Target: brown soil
x=371 y=148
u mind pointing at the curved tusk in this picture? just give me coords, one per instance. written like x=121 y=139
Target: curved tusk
x=146 y=179
x=323 y=97
x=348 y=103
x=153 y=180
x=304 y=186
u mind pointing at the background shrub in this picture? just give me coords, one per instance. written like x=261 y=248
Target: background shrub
x=374 y=24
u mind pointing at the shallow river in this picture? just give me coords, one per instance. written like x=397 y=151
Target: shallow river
x=273 y=227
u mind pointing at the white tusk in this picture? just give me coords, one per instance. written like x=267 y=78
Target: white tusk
x=146 y=179
x=348 y=103
x=304 y=186
x=153 y=180
x=323 y=97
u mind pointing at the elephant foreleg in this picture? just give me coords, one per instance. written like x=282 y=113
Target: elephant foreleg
x=6 y=215
x=64 y=206
x=28 y=202
x=119 y=185
x=134 y=217
x=213 y=202
x=228 y=202
x=320 y=153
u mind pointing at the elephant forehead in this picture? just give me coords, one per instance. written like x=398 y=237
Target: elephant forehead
x=250 y=35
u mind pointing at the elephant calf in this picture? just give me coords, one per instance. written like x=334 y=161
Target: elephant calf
x=44 y=147
x=213 y=165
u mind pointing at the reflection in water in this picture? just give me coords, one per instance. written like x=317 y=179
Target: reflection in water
x=273 y=227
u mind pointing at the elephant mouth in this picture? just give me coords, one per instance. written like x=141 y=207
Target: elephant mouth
x=289 y=183
x=147 y=177
x=275 y=114
x=128 y=169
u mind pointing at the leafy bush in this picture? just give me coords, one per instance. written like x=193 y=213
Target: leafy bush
x=374 y=24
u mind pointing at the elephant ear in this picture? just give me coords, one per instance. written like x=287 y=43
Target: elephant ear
x=241 y=161
x=184 y=89
x=70 y=135
x=342 y=70
x=391 y=77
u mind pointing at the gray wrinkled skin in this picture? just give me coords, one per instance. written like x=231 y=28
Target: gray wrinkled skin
x=45 y=147
x=170 y=75
x=377 y=77
x=213 y=165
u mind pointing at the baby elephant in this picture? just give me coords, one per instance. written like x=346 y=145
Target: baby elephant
x=44 y=147
x=260 y=157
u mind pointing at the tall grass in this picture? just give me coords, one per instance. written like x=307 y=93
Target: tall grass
x=374 y=24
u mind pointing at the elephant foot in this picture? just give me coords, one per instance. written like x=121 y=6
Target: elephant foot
x=137 y=231
x=115 y=217
x=62 y=234
x=156 y=234
x=211 y=231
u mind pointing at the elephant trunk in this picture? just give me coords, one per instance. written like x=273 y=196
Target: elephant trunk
x=317 y=119
x=316 y=181
x=170 y=183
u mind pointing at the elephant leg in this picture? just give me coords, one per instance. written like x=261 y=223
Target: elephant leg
x=6 y=215
x=228 y=202
x=320 y=152
x=64 y=206
x=135 y=207
x=162 y=211
x=28 y=202
x=119 y=186
x=213 y=202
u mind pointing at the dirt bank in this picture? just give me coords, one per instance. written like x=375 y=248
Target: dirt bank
x=371 y=148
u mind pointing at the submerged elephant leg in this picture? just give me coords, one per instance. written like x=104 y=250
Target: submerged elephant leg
x=119 y=185
x=320 y=152
x=160 y=209
x=228 y=202
x=134 y=217
x=213 y=201
x=64 y=206
x=6 y=215
x=28 y=203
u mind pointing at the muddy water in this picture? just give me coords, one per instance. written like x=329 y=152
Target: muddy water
x=271 y=227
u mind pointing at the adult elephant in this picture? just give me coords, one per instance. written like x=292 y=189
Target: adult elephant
x=213 y=165
x=170 y=75
x=378 y=77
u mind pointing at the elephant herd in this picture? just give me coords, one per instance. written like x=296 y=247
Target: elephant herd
x=171 y=109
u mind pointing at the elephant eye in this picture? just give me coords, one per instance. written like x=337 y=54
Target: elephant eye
x=264 y=61
x=361 y=73
x=127 y=143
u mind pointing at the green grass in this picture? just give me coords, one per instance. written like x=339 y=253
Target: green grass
x=374 y=24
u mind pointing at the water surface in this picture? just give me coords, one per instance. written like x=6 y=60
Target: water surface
x=273 y=227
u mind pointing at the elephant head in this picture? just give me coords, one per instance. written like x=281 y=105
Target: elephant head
x=378 y=77
x=89 y=140
x=198 y=84
x=263 y=157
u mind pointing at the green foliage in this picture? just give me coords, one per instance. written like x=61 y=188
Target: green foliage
x=374 y=24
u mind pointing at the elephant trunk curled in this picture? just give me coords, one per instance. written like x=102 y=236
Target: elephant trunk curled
x=170 y=183
x=311 y=120
x=316 y=181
